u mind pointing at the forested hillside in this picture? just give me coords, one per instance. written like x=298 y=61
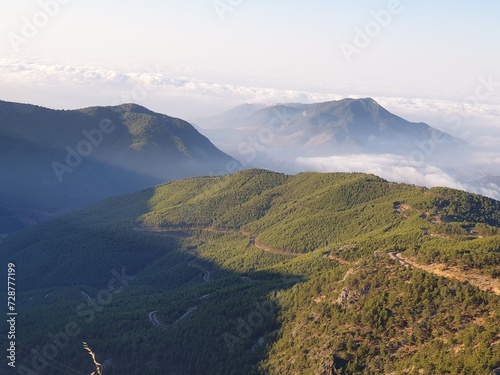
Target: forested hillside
x=55 y=161
x=263 y=273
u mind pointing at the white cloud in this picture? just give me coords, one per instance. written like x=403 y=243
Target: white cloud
x=394 y=168
x=488 y=141
x=170 y=91
x=389 y=166
x=458 y=117
x=102 y=84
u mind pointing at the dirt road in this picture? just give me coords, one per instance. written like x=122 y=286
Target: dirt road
x=482 y=282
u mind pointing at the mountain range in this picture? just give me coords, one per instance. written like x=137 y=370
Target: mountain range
x=260 y=272
x=345 y=126
x=357 y=135
x=52 y=161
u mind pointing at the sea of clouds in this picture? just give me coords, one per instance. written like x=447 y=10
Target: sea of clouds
x=69 y=86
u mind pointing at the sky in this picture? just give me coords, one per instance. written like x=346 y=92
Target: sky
x=231 y=51
x=431 y=61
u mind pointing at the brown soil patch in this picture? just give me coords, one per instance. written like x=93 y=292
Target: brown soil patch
x=482 y=282
x=401 y=208
x=340 y=260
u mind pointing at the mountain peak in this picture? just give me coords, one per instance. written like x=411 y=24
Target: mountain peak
x=70 y=159
x=350 y=125
x=361 y=104
x=121 y=108
x=367 y=100
x=132 y=107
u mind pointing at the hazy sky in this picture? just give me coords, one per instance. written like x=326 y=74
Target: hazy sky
x=199 y=57
x=431 y=61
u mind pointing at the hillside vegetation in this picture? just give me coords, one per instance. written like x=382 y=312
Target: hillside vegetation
x=265 y=273
x=54 y=161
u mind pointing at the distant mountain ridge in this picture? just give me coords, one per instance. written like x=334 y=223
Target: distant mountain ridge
x=334 y=127
x=55 y=160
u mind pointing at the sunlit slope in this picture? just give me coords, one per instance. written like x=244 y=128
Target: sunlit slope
x=204 y=254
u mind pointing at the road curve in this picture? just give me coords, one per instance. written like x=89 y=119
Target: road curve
x=253 y=242
x=395 y=256
x=153 y=318
x=206 y=273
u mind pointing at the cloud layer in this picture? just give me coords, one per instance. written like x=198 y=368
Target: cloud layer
x=58 y=85
x=394 y=168
x=458 y=115
x=145 y=87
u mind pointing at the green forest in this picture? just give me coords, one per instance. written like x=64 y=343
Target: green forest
x=261 y=273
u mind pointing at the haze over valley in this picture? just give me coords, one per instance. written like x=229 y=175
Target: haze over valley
x=351 y=135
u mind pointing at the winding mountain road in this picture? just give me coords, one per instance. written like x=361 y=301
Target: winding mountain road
x=253 y=242
x=153 y=318
x=397 y=257
x=206 y=273
x=85 y=295
x=188 y=311
x=480 y=281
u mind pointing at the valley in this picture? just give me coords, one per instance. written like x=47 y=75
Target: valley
x=279 y=273
x=66 y=160
x=232 y=187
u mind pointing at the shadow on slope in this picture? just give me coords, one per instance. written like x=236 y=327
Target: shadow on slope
x=142 y=302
